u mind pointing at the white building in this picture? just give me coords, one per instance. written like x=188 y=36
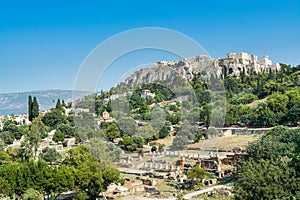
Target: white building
x=105 y=118
x=146 y=93
x=265 y=61
x=22 y=119
x=237 y=62
x=81 y=110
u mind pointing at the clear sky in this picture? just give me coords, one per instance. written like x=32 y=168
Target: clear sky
x=43 y=43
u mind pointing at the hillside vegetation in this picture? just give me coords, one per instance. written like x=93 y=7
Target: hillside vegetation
x=257 y=100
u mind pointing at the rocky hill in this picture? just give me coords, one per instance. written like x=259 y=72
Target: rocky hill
x=233 y=64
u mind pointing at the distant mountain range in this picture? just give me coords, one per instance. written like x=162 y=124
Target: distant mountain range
x=16 y=103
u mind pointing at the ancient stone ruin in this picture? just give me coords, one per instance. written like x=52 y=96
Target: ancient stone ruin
x=234 y=64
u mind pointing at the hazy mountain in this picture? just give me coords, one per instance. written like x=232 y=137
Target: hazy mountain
x=16 y=103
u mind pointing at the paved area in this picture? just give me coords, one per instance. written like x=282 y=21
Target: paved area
x=199 y=192
x=143 y=198
x=131 y=171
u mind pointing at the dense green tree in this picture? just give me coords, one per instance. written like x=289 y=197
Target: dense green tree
x=35 y=108
x=70 y=120
x=7 y=137
x=148 y=133
x=67 y=130
x=180 y=141
x=277 y=142
x=114 y=152
x=174 y=118
x=99 y=106
x=260 y=116
x=264 y=180
x=293 y=114
x=203 y=96
x=130 y=143
x=234 y=113
x=205 y=114
x=30 y=116
x=54 y=118
x=59 y=106
x=8 y=179
x=231 y=84
x=278 y=102
x=153 y=148
x=6 y=188
x=63 y=103
x=15 y=131
x=271 y=86
x=58 y=136
x=81 y=196
x=34 y=179
x=91 y=176
x=10 y=125
x=25 y=153
x=144 y=111
x=269 y=169
x=64 y=179
x=49 y=155
x=196 y=174
x=127 y=126
x=294 y=97
x=112 y=132
x=126 y=141
x=139 y=141
x=136 y=100
x=164 y=132
x=34 y=134
x=199 y=136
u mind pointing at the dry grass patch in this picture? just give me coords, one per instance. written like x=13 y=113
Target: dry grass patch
x=229 y=142
x=167 y=141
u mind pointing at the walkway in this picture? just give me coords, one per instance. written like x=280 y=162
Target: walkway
x=199 y=192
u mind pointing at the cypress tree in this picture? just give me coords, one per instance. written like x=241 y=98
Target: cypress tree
x=63 y=103
x=243 y=74
x=30 y=108
x=35 y=108
x=58 y=105
x=270 y=75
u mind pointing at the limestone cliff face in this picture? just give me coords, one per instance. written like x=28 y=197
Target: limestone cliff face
x=233 y=64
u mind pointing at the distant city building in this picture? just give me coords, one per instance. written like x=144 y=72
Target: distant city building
x=106 y=100
x=19 y=119
x=81 y=110
x=69 y=110
x=105 y=118
x=22 y=119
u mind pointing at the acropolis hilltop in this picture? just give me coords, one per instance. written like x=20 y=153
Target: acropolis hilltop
x=234 y=64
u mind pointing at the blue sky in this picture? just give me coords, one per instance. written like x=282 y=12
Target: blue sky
x=43 y=43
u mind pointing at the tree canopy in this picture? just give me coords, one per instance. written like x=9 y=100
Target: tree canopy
x=270 y=169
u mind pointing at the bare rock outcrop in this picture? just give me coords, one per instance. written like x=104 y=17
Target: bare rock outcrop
x=234 y=64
